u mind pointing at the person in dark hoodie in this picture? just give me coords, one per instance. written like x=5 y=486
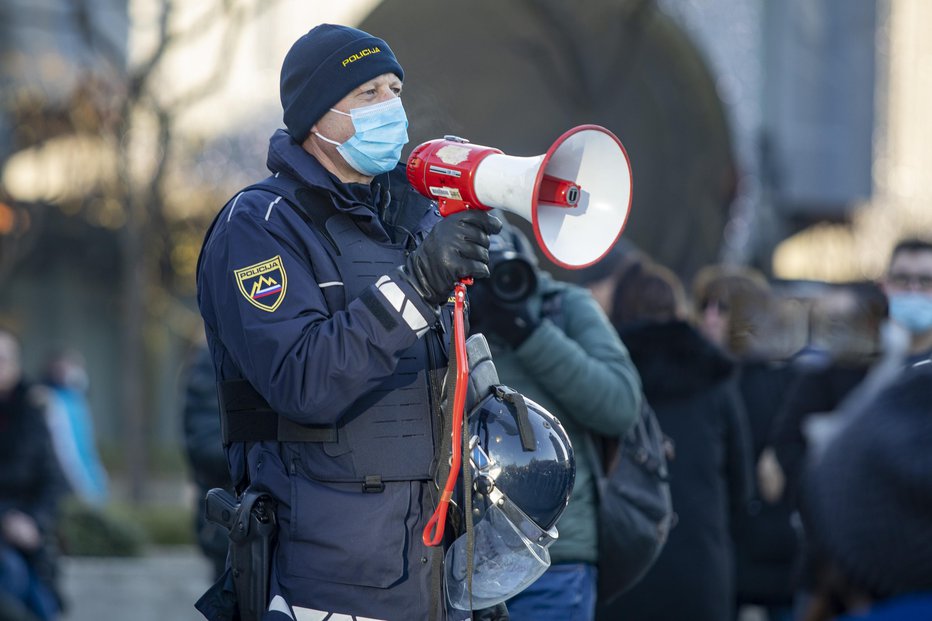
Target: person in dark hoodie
x=207 y=463
x=866 y=502
x=690 y=384
x=324 y=294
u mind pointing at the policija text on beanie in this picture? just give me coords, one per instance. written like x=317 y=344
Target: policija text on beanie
x=323 y=66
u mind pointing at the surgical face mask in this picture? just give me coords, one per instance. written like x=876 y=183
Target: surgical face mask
x=381 y=132
x=912 y=310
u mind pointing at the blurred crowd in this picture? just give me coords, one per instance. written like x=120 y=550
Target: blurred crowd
x=797 y=417
x=799 y=413
x=795 y=414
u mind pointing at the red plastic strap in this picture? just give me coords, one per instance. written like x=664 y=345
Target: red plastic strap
x=433 y=532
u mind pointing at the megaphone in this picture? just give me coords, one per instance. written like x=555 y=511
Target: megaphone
x=577 y=195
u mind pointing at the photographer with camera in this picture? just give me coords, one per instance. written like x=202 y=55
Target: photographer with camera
x=551 y=341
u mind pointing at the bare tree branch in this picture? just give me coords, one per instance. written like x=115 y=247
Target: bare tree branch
x=143 y=73
x=96 y=38
x=220 y=73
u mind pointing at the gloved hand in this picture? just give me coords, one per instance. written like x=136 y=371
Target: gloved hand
x=457 y=247
x=496 y=613
x=512 y=322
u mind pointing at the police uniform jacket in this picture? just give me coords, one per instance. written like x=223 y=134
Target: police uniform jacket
x=303 y=301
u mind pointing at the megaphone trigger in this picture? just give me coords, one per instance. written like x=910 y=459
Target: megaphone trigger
x=577 y=195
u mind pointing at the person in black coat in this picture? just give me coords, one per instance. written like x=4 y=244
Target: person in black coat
x=204 y=451
x=691 y=385
x=761 y=331
x=31 y=485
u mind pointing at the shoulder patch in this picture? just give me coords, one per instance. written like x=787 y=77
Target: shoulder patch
x=264 y=283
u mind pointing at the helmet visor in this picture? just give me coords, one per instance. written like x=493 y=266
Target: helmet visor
x=510 y=553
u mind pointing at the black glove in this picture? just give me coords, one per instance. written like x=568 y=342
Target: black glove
x=457 y=247
x=496 y=613
x=512 y=322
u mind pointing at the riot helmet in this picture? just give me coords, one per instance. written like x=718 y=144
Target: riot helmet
x=523 y=469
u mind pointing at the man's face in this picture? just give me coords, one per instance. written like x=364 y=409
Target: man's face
x=713 y=321
x=910 y=271
x=908 y=285
x=339 y=127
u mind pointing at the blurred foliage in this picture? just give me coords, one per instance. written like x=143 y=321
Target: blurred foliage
x=165 y=461
x=168 y=461
x=122 y=530
x=87 y=531
x=164 y=525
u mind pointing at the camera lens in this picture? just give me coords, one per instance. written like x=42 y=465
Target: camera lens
x=513 y=280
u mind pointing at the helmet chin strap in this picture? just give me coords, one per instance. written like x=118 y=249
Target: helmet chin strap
x=433 y=532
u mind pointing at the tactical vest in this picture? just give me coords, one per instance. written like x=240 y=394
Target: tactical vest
x=389 y=433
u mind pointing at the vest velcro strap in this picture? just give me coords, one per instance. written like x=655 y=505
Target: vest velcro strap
x=246 y=417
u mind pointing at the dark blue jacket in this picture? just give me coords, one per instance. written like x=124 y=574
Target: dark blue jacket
x=324 y=346
x=910 y=607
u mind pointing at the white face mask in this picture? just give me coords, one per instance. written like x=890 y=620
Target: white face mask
x=381 y=132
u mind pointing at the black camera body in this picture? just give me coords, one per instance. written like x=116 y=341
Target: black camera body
x=513 y=278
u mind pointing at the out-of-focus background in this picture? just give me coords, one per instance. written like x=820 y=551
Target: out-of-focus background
x=788 y=135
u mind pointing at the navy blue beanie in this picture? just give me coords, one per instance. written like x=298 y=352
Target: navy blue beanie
x=323 y=66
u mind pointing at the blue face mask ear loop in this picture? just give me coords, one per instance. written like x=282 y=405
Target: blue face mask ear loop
x=324 y=138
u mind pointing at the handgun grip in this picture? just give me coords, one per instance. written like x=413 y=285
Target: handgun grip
x=221 y=507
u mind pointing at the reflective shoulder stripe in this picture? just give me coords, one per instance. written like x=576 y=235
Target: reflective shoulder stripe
x=233 y=206
x=396 y=297
x=272 y=204
x=332 y=283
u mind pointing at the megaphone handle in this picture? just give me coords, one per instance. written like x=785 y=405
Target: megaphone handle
x=433 y=532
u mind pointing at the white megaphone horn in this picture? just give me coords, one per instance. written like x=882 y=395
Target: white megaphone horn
x=577 y=195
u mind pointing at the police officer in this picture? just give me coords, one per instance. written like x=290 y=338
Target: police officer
x=323 y=291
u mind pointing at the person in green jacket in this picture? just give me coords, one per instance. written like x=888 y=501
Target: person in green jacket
x=552 y=342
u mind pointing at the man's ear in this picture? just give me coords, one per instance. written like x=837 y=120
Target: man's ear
x=307 y=144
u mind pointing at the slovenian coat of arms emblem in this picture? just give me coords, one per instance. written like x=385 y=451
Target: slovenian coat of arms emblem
x=264 y=283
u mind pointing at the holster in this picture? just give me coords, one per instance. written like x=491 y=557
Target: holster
x=252 y=526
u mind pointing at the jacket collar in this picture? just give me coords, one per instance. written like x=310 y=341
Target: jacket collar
x=360 y=200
